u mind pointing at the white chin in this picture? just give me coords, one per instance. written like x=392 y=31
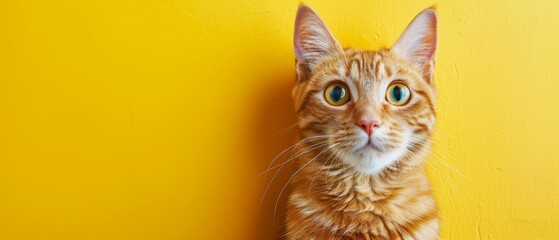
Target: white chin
x=370 y=160
x=371 y=157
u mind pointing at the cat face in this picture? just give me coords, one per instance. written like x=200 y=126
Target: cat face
x=375 y=110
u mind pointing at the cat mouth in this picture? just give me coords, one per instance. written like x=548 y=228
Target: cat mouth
x=368 y=147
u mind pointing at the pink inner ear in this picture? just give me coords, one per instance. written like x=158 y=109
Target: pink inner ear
x=312 y=38
x=418 y=42
x=297 y=45
x=430 y=39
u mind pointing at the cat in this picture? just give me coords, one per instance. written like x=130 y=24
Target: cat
x=365 y=121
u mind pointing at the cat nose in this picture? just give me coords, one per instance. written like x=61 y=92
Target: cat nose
x=368 y=125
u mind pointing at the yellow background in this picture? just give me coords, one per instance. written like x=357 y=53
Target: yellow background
x=152 y=119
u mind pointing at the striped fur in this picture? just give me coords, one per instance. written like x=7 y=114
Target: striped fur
x=341 y=192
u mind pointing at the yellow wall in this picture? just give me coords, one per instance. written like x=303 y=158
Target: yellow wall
x=152 y=119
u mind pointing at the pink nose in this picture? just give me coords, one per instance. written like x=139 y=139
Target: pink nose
x=368 y=125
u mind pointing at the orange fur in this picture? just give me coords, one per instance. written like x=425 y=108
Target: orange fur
x=333 y=199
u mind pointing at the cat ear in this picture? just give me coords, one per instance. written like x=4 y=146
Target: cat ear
x=418 y=43
x=312 y=40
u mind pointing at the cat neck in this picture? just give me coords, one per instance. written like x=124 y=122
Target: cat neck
x=340 y=202
x=348 y=190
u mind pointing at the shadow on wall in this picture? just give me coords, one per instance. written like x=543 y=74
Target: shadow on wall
x=274 y=131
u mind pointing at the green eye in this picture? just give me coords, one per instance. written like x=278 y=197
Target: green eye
x=398 y=94
x=337 y=94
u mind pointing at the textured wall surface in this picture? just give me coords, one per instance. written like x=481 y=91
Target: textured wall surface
x=152 y=119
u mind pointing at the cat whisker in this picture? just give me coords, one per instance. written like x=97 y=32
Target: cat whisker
x=305 y=140
x=306 y=150
x=445 y=161
x=295 y=173
x=339 y=153
x=446 y=178
x=286 y=130
x=294 y=156
x=336 y=157
x=322 y=168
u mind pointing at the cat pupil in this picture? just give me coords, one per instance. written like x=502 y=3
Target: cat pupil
x=397 y=93
x=337 y=93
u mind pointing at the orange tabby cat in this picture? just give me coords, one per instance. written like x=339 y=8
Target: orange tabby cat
x=366 y=120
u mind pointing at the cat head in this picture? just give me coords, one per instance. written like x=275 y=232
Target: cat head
x=374 y=110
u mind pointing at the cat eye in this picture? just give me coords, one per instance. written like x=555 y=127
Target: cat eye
x=398 y=94
x=337 y=94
